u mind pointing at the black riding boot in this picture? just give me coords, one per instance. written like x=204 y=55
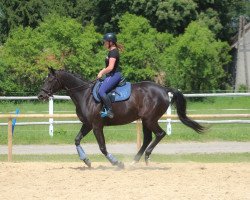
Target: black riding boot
x=106 y=101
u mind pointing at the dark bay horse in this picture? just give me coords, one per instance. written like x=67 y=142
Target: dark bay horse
x=148 y=102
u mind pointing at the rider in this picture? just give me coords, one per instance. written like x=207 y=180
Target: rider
x=112 y=71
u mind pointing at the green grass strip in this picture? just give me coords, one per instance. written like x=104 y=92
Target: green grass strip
x=178 y=158
x=65 y=134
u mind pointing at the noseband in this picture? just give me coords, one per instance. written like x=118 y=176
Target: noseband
x=50 y=92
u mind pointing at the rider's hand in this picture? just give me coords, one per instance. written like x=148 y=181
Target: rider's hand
x=99 y=75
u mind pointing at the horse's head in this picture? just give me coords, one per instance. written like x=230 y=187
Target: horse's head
x=51 y=85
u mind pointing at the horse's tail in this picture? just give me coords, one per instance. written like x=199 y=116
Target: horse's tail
x=181 y=104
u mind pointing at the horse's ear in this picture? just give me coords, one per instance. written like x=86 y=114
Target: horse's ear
x=52 y=70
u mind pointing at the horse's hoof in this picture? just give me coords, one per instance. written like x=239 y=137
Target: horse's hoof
x=147 y=159
x=133 y=163
x=87 y=162
x=120 y=165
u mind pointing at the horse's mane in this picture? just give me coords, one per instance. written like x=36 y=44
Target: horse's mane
x=74 y=74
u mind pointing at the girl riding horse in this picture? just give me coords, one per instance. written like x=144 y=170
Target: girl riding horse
x=112 y=72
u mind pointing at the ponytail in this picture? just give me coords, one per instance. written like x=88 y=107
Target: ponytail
x=120 y=47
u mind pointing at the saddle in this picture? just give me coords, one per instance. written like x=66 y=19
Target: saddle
x=122 y=91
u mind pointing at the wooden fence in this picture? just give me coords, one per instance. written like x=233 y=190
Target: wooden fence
x=9 y=117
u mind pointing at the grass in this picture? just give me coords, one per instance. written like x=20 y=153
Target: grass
x=210 y=105
x=65 y=134
x=34 y=106
x=177 y=158
x=220 y=105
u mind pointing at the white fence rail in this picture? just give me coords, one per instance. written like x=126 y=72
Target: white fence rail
x=59 y=97
x=168 y=120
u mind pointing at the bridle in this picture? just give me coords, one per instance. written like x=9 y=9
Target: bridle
x=69 y=90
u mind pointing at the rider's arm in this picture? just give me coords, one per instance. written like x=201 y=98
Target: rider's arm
x=107 y=69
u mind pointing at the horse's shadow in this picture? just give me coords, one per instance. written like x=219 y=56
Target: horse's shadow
x=101 y=167
x=148 y=168
x=127 y=168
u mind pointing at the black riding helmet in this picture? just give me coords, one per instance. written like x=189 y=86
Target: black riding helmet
x=111 y=37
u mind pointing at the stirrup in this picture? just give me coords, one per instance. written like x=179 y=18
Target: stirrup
x=106 y=113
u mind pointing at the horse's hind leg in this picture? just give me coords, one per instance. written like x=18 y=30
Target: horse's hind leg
x=101 y=142
x=159 y=133
x=147 y=138
x=83 y=132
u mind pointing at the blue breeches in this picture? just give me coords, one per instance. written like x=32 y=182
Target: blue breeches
x=109 y=83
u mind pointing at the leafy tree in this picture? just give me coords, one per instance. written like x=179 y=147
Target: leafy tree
x=195 y=61
x=81 y=10
x=18 y=60
x=192 y=61
x=143 y=47
x=174 y=15
x=171 y=16
x=20 y=13
x=59 y=42
x=32 y=12
x=168 y=15
x=228 y=12
x=211 y=18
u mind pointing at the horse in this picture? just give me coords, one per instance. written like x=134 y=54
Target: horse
x=148 y=101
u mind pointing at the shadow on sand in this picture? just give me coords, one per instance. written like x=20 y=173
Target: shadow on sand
x=127 y=168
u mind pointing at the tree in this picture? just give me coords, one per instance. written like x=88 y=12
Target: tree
x=59 y=42
x=174 y=15
x=171 y=16
x=32 y=12
x=196 y=59
x=18 y=60
x=143 y=47
x=228 y=12
x=20 y=13
x=211 y=18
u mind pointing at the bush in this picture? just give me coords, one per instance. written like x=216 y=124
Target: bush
x=59 y=42
x=196 y=59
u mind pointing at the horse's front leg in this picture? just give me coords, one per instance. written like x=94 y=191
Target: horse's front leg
x=82 y=133
x=98 y=131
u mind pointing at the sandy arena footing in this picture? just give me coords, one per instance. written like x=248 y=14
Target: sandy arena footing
x=40 y=180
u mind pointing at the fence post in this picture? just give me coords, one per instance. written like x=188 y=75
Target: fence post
x=51 y=111
x=9 y=140
x=169 y=126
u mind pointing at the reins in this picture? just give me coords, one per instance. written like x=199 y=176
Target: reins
x=69 y=90
x=80 y=87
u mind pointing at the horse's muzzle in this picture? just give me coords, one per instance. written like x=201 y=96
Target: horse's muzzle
x=43 y=96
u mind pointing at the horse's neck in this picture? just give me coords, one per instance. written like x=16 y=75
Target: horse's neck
x=73 y=86
x=69 y=81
